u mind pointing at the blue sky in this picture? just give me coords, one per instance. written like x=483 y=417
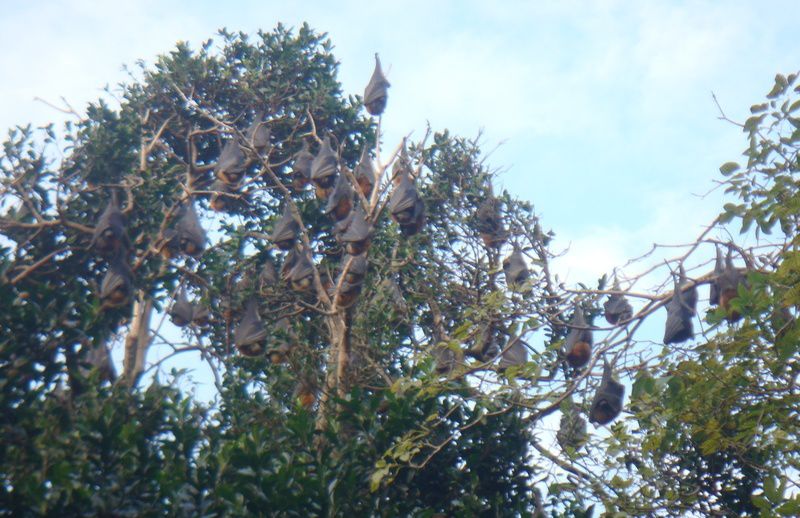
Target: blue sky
x=602 y=109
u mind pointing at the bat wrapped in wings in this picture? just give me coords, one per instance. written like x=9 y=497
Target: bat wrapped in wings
x=365 y=173
x=340 y=200
x=406 y=206
x=515 y=269
x=250 y=333
x=117 y=285
x=578 y=344
x=109 y=232
x=376 y=92
x=181 y=311
x=616 y=308
x=324 y=167
x=284 y=233
x=607 y=403
x=490 y=222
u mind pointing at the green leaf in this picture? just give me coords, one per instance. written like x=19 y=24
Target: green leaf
x=729 y=168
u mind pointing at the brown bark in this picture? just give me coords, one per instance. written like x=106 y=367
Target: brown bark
x=137 y=341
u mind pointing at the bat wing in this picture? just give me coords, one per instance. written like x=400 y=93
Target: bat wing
x=376 y=92
x=324 y=164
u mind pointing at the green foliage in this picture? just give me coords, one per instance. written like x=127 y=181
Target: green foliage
x=362 y=416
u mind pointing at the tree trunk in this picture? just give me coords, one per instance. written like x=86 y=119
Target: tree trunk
x=138 y=341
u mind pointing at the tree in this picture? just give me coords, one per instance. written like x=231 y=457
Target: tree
x=368 y=311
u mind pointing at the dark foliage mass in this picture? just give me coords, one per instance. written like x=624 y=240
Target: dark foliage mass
x=385 y=332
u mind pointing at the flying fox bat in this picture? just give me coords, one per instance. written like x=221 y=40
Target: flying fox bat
x=301 y=169
x=340 y=200
x=365 y=173
x=445 y=358
x=267 y=278
x=607 y=403
x=117 y=285
x=191 y=236
x=109 y=233
x=201 y=316
x=357 y=237
x=490 y=222
x=358 y=268
x=406 y=206
x=283 y=342
x=181 y=311
x=221 y=201
x=288 y=263
x=375 y=94
x=325 y=166
x=689 y=291
x=284 y=233
x=616 y=308
x=728 y=285
x=301 y=276
x=250 y=333
x=513 y=355
x=231 y=163
x=571 y=430
x=678 y=327
x=578 y=344
x=258 y=135
x=514 y=268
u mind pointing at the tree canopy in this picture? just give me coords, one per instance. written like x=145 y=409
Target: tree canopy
x=385 y=331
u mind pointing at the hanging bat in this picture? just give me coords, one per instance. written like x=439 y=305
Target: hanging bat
x=305 y=394
x=728 y=285
x=490 y=223
x=679 y=327
x=109 y=233
x=284 y=339
x=181 y=311
x=358 y=268
x=719 y=269
x=231 y=163
x=485 y=346
x=406 y=206
x=325 y=166
x=117 y=285
x=578 y=344
x=607 y=403
x=689 y=292
x=514 y=355
x=191 y=236
x=267 y=278
x=340 y=200
x=616 y=308
x=365 y=173
x=348 y=293
x=258 y=135
x=351 y=284
x=250 y=333
x=221 y=200
x=375 y=94
x=515 y=269
x=402 y=166
x=445 y=357
x=301 y=169
x=201 y=316
x=571 y=430
x=284 y=233
x=301 y=276
x=357 y=237
x=288 y=263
